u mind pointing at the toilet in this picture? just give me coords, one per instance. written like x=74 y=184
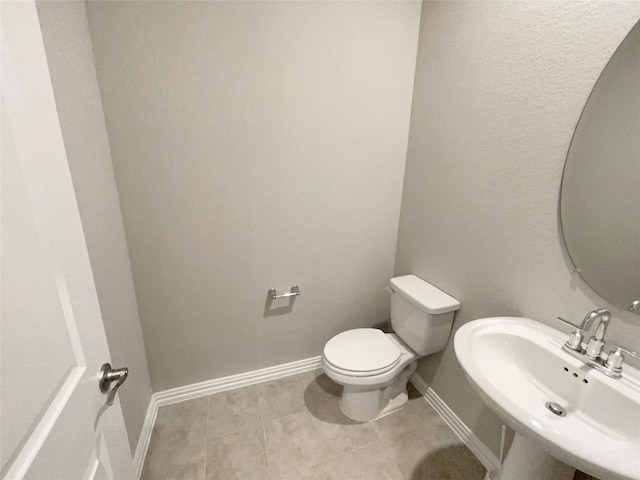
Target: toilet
x=374 y=367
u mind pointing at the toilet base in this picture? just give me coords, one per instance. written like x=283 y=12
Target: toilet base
x=364 y=404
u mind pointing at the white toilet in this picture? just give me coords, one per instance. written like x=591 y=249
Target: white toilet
x=374 y=367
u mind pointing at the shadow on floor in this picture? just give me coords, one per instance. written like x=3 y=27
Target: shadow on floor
x=322 y=397
x=454 y=462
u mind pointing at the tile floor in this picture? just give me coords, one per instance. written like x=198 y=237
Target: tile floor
x=292 y=429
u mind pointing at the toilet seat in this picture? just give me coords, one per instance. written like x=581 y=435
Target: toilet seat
x=361 y=352
x=356 y=373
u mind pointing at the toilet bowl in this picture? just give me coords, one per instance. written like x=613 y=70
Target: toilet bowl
x=366 y=361
x=374 y=367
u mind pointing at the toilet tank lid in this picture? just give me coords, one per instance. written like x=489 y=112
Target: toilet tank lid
x=424 y=295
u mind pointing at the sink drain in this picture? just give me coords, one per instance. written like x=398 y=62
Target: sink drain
x=556 y=409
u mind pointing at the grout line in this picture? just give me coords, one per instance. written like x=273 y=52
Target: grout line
x=264 y=430
x=206 y=438
x=235 y=429
x=386 y=441
x=387 y=445
x=266 y=446
x=346 y=453
x=392 y=459
x=375 y=429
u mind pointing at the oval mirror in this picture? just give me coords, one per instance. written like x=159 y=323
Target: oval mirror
x=600 y=195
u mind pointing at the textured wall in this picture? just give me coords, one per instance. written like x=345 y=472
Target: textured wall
x=68 y=47
x=256 y=145
x=499 y=88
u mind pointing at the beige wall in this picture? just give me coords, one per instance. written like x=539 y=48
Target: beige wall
x=499 y=88
x=68 y=48
x=256 y=145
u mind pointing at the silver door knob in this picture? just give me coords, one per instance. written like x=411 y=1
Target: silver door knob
x=109 y=375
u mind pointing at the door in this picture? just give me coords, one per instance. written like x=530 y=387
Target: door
x=54 y=420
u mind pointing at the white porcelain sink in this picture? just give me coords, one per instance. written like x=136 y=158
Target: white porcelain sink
x=517 y=366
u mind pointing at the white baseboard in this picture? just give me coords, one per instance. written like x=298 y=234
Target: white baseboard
x=479 y=449
x=195 y=390
x=145 y=436
x=202 y=389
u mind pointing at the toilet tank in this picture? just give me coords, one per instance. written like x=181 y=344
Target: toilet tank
x=421 y=314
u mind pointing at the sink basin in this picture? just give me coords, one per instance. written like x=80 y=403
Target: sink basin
x=517 y=366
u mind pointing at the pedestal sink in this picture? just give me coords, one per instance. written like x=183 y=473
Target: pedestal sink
x=564 y=413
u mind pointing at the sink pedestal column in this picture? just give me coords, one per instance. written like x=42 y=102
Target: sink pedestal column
x=527 y=461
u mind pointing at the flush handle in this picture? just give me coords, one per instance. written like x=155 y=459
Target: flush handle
x=108 y=375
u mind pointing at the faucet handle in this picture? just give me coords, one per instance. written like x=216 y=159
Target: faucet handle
x=616 y=357
x=575 y=338
x=567 y=322
x=626 y=350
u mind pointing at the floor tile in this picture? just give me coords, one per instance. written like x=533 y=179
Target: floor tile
x=433 y=453
x=416 y=412
x=234 y=410
x=367 y=463
x=240 y=455
x=453 y=462
x=291 y=443
x=183 y=413
x=308 y=377
x=281 y=397
x=396 y=423
x=292 y=429
x=301 y=440
x=177 y=446
x=174 y=468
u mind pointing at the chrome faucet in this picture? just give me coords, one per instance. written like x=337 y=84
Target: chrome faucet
x=591 y=354
x=575 y=338
x=596 y=342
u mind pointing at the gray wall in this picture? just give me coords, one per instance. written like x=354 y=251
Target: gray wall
x=499 y=88
x=256 y=145
x=68 y=48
